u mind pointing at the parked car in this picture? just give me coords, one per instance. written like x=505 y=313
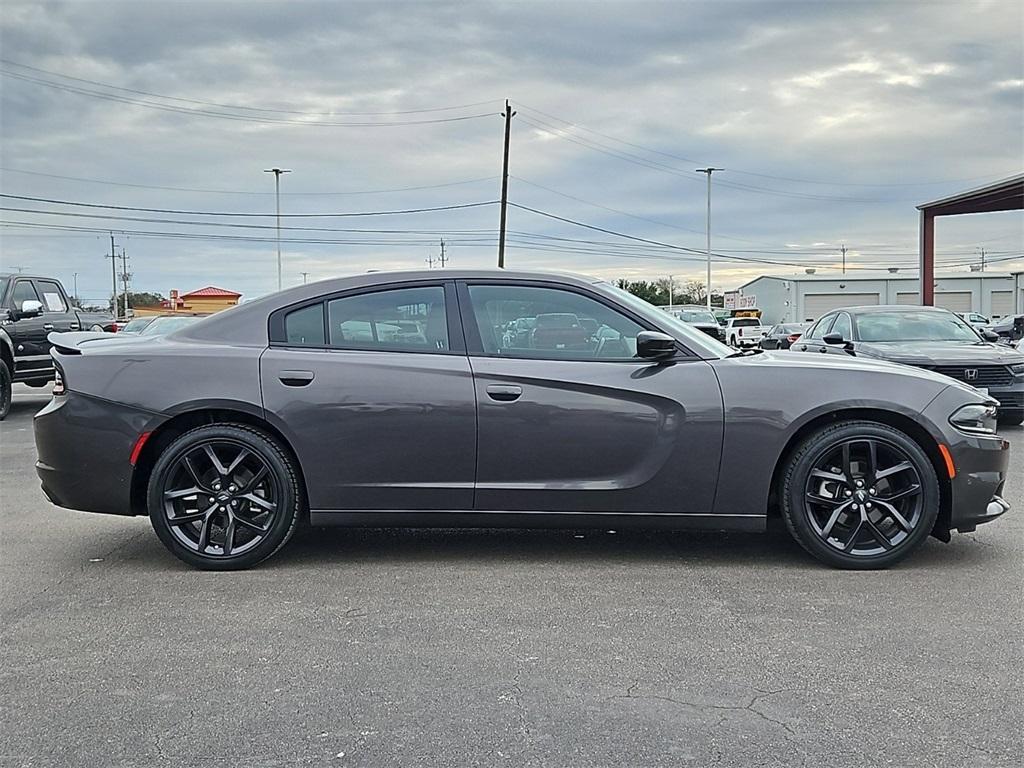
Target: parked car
x=975 y=319
x=743 y=331
x=782 y=336
x=925 y=337
x=159 y=325
x=30 y=308
x=1010 y=327
x=229 y=432
x=701 y=318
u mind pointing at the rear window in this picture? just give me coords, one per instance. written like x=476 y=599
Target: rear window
x=305 y=326
x=745 y=322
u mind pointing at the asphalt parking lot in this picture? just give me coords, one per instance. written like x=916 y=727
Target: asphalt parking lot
x=553 y=648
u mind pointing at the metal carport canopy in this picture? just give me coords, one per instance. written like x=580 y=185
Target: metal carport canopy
x=1005 y=195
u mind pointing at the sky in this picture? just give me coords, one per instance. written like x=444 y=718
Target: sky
x=832 y=121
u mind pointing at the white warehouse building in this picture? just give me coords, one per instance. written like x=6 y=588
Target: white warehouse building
x=805 y=297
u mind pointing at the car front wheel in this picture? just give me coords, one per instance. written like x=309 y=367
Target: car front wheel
x=5 y=390
x=224 y=497
x=860 y=495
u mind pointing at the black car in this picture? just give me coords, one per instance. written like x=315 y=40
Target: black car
x=701 y=318
x=783 y=335
x=312 y=405
x=925 y=337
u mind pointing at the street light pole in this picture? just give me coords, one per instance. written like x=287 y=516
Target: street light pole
x=277 y=198
x=709 y=171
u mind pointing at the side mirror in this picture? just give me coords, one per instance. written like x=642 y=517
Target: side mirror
x=30 y=308
x=988 y=335
x=833 y=338
x=653 y=345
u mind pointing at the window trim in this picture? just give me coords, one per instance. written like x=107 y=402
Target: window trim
x=277 y=336
x=474 y=341
x=853 y=328
x=830 y=316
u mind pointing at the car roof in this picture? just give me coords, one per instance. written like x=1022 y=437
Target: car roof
x=868 y=308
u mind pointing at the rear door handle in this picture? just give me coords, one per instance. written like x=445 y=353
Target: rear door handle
x=504 y=393
x=823 y=349
x=295 y=378
x=47 y=326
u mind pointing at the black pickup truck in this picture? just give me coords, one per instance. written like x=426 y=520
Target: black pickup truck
x=30 y=308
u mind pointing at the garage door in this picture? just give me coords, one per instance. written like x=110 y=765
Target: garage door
x=1002 y=303
x=908 y=298
x=817 y=304
x=957 y=301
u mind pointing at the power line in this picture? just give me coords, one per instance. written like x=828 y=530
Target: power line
x=235 y=117
x=176 y=211
x=749 y=173
x=240 y=106
x=243 y=191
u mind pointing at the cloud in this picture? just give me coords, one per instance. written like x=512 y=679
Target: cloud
x=832 y=120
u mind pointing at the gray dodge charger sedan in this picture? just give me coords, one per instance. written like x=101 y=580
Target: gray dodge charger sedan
x=402 y=399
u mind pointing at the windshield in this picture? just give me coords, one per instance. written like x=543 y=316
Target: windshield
x=136 y=325
x=697 y=316
x=679 y=328
x=164 y=325
x=745 y=322
x=914 y=326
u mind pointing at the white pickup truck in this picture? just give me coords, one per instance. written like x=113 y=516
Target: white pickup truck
x=743 y=331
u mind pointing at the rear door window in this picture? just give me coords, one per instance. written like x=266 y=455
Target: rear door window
x=305 y=326
x=403 y=319
x=53 y=300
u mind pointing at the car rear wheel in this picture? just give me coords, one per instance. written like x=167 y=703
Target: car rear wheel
x=860 y=495
x=5 y=390
x=224 y=497
x=1011 y=417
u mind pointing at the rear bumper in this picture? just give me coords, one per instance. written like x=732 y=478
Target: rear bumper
x=84 y=445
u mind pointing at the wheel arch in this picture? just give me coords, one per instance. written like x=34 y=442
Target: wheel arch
x=167 y=431
x=911 y=427
x=7 y=350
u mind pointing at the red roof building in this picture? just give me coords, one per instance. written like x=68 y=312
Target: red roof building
x=212 y=292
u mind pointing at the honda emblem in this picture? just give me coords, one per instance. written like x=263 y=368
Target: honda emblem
x=970 y=374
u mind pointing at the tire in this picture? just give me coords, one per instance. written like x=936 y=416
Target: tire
x=96 y=327
x=1011 y=417
x=5 y=390
x=871 y=518
x=227 y=495
x=37 y=383
x=732 y=341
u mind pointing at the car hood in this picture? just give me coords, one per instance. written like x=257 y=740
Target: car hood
x=940 y=353
x=841 y=364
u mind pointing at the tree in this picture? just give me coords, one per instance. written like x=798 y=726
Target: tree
x=142 y=299
x=646 y=290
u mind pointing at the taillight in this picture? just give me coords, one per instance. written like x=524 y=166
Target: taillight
x=114 y=327
x=793 y=337
x=58 y=382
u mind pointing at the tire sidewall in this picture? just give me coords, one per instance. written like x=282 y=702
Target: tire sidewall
x=6 y=389
x=795 y=481
x=289 y=502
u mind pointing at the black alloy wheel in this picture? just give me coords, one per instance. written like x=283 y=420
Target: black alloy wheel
x=860 y=495
x=1011 y=417
x=224 y=497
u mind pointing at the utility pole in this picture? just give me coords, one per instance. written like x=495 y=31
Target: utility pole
x=843 y=249
x=76 y=287
x=430 y=260
x=442 y=258
x=981 y=252
x=508 y=114
x=304 y=276
x=708 y=171
x=277 y=198
x=125 y=277
x=671 y=285
x=113 y=273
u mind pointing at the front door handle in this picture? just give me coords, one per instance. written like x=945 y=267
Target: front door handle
x=47 y=326
x=823 y=349
x=803 y=347
x=295 y=378
x=504 y=393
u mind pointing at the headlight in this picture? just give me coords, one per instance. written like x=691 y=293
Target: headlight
x=1017 y=368
x=978 y=419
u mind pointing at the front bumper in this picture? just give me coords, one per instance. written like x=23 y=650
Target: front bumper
x=980 y=464
x=84 y=445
